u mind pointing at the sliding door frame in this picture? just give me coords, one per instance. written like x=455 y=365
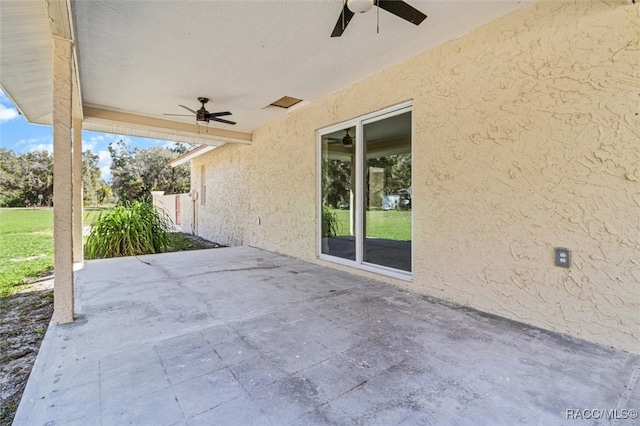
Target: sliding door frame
x=358 y=123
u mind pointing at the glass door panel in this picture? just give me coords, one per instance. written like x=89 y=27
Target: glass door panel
x=338 y=168
x=387 y=192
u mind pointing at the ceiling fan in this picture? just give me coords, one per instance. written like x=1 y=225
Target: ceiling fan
x=203 y=116
x=347 y=139
x=397 y=7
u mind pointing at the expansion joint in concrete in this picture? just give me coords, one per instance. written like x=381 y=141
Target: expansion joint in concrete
x=631 y=385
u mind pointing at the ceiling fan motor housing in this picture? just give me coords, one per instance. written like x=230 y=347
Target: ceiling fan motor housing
x=201 y=115
x=359 y=6
x=400 y=8
x=347 y=140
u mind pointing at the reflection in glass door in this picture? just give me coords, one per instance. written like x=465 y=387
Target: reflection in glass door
x=387 y=192
x=365 y=192
x=338 y=214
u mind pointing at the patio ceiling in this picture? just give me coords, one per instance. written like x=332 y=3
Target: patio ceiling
x=138 y=60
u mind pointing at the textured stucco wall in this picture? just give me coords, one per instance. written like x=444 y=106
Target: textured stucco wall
x=186 y=214
x=222 y=216
x=526 y=137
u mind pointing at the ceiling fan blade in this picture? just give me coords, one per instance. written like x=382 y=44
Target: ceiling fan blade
x=402 y=10
x=179 y=115
x=223 y=121
x=188 y=109
x=343 y=21
x=217 y=114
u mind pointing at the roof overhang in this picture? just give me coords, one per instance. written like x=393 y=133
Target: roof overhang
x=185 y=158
x=26 y=69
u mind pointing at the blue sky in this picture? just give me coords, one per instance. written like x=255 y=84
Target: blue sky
x=21 y=137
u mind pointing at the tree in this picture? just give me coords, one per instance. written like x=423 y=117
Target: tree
x=10 y=183
x=103 y=192
x=37 y=178
x=126 y=182
x=336 y=182
x=136 y=172
x=26 y=177
x=336 y=177
x=397 y=171
x=91 y=178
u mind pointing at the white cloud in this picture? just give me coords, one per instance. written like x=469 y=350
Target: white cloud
x=115 y=137
x=91 y=143
x=42 y=143
x=104 y=163
x=7 y=114
x=42 y=147
x=31 y=141
x=169 y=144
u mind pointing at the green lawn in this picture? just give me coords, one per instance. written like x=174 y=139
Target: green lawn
x=26 y=246
x=390 y=224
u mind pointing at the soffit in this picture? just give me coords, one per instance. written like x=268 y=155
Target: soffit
x=25 y=57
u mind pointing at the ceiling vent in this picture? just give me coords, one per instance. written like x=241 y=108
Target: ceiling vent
x=285 y=102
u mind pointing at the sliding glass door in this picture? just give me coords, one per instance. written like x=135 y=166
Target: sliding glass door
x=387 y=192
x=365 y=192
x=338 y=206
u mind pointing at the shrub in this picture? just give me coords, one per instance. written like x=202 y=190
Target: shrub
x=330 y=224
x=128 y=230
x=11 y=201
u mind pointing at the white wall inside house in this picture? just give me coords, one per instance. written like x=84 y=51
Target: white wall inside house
x=525 y=138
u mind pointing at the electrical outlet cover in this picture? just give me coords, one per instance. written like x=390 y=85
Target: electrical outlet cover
x=563 y=257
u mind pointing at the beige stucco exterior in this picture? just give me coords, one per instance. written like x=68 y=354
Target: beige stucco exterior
x=78 y=210
x=526 y=138
x=63 y=300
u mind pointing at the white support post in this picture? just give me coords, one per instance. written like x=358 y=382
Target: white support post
x=78 y=210
x=63 y=299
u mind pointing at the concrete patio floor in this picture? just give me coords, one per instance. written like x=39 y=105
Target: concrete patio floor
x=241 y=336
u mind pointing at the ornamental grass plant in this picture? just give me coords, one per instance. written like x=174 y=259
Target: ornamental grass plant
x=128 y=230
x=330 y=223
